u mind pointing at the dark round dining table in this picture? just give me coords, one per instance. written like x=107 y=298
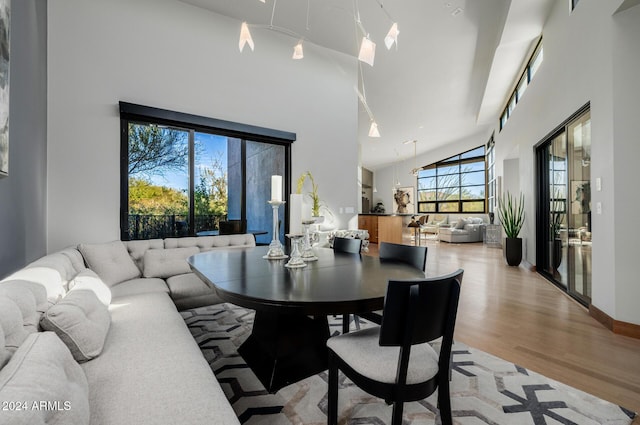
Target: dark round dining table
x=290 y=329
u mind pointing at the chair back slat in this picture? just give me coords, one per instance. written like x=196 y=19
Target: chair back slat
x=434 y=306
x=349 y=245
x=416 y=256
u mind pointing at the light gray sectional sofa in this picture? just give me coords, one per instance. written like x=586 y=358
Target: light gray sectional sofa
x=92 y=335
x=463 y=230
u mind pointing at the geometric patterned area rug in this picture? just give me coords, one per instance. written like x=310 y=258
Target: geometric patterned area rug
x=484 y=388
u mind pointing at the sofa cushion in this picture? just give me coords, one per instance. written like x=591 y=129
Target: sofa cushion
x=39 y=292
x=138 y=248
x=13 y=331
x=75 y=257
x=207 y=243
x=188 y=285
x=164 y=263
x=151 y=370
x=49 y=385
x=58 y=262
x=26 y=302
x=110 y=261
x=81 y=321
x=47 y=277
x=5 y=355
x=88 y=280
x=143 y=285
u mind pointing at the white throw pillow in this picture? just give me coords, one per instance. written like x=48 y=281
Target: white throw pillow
x=111 y=261
x=164 y=263
x=90 y=281
x=81 y=321
x=44 y=383
x=461 y=223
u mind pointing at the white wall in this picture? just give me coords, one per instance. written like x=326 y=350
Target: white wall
x=167 y=54
x=626 y=154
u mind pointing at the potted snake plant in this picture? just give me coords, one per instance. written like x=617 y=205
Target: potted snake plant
x=511 y=214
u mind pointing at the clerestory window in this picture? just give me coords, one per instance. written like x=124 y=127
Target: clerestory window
x=523 y=82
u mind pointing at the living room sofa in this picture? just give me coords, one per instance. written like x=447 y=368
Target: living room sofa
x=92 y=335
x=463 y=230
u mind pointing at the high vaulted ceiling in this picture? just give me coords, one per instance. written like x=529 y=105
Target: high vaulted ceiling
x=448 y=79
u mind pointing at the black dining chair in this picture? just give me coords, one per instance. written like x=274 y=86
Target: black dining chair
x=415 y=313
x=351 y=246
x=415 y=256
x=348 y=245
x=232 y=227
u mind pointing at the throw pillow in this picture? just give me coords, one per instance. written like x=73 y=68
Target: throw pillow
x=110 y=261
x=90 y=281
x=44 y=383
x=461 y=223
x=81 y=321
x=164 y=263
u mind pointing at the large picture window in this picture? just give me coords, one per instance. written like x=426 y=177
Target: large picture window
x=456 y=184
x=182 y=175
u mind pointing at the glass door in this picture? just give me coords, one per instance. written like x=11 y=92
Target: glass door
x=563 y=235
x=579 y=211
x=554 y=189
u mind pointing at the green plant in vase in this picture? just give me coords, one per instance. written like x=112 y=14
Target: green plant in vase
x=315 y=199
x=317 y=206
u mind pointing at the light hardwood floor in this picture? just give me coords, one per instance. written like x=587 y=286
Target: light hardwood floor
x=515 y=314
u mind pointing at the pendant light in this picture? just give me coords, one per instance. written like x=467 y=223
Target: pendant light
x=245 y=37
x=392 y=36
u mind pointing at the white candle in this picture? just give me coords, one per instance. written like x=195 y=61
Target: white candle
x=276 y=188
x=295 y=214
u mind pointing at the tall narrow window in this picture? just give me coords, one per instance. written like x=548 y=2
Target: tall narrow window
x=182 y=174
x=491 y=176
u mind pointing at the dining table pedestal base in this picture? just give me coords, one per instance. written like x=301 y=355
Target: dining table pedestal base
x=286 y=348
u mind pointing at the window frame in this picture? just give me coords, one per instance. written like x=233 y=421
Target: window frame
x=139 y=114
